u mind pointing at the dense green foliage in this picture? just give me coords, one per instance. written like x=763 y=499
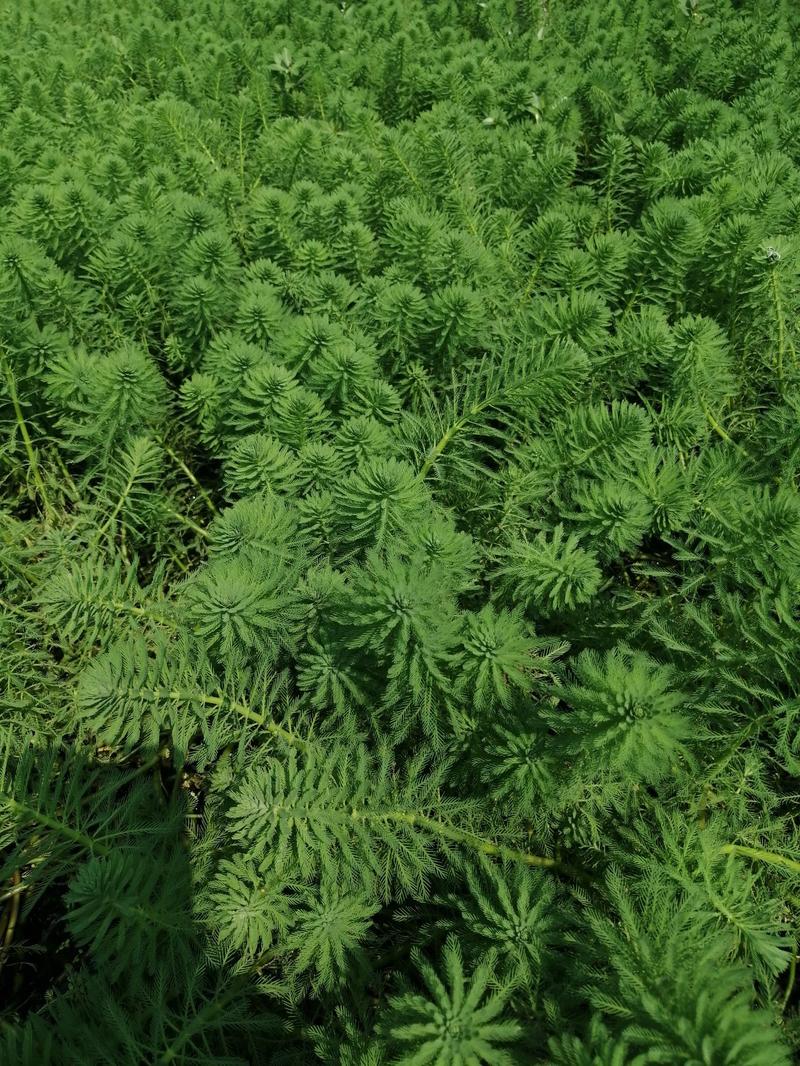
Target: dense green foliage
x=399 y=532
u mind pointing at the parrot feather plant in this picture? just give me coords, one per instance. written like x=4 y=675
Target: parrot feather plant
x=399 y=532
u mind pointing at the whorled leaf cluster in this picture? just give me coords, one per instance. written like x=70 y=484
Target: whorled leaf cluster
x=400 y=532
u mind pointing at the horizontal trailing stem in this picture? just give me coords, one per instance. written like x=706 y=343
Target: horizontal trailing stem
x=772 y=858
x=25 y=811
x=206 y=700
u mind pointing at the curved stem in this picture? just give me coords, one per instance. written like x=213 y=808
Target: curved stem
x=718 y=429
x=191 y=476
x=13 y=915
x=26 y=437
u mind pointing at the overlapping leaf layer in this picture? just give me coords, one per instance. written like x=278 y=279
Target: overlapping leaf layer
x=399 y=532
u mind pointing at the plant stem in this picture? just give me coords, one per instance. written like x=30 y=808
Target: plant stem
x=13 y=915
x=773 y=858
x=182 y=465
x=58 y=827
x=719 y=429
x=217 y=1005
x=473 y=840
x=781 y=324
x=26 y=437
x=792 y=977
x=190 y=524
x=180 y=696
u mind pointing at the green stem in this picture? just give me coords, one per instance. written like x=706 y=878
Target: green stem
x=73 y=488
x=179 y=696
x=8 y=606
x=185 y=135
x=781 y=324
x=117 y=508
x=792 y=977
x=47 y=820
x=186 y=521
x=532 y=278
x=409 y=172
x=217 y=1005
x=141 y=612
x=452 y=430
x=631 y=298
x=719 y=764
x=718 y=428
x=436 y=828
x=26 y=437
x=472 y=840
x=772 y=858
x=17 y=890
x=435 y=453
x=241 y=153
x=182 y=465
